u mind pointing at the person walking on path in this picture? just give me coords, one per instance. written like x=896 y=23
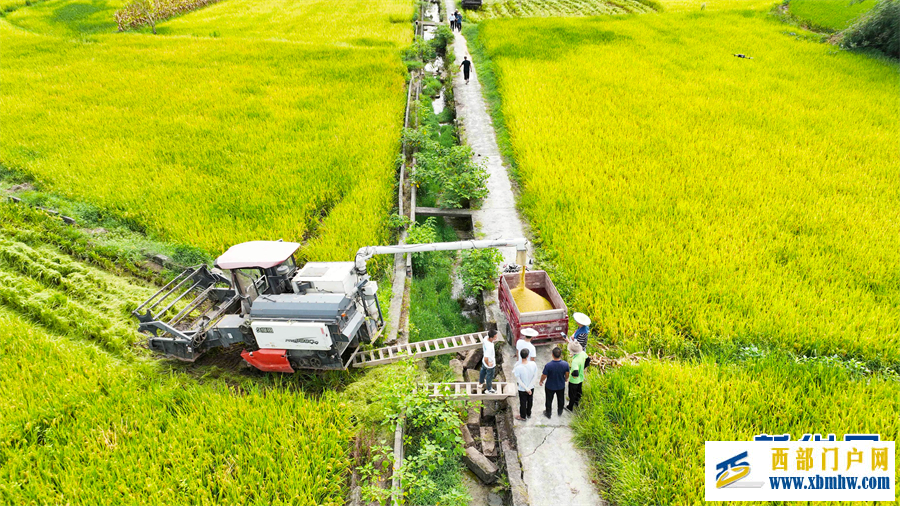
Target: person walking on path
x=555 y=374
x=524 y=342
x=526 y=375
x=453 y=20
x=486 y=375
x=458 y=21
x=581 y=335
x=580 y=362
x=466 y=66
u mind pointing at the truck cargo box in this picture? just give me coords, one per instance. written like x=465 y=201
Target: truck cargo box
x=552 y=325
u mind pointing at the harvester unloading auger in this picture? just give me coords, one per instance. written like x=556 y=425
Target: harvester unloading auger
x=287 y=318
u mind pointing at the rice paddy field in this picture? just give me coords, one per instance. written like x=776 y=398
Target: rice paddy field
x=830 y=15
x=236 y=122
x=245 y=120
x=739 y=215
x=696 y=199
x=647 y=424
x=89 y=419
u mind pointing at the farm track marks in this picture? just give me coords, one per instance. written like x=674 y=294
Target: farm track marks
x=492 y=9
x=66 y=296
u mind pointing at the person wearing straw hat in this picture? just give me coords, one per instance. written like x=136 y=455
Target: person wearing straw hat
x=580 y=362
x=524 y=342
x=581 y=335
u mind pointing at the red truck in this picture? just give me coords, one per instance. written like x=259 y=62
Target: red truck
x=552 y=325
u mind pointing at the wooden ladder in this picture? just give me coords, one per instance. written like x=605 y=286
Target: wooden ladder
x=421 y=349
x=470 y=391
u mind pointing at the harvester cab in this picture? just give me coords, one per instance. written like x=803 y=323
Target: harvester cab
x=287 y=318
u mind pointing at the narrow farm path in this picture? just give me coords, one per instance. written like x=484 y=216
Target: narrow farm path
x=553 y=469
x=497 y=218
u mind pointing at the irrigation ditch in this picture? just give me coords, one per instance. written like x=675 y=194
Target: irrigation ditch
x=439 y=184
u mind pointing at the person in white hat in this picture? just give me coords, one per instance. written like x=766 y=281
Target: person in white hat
x=581 y=335
x=524 y=342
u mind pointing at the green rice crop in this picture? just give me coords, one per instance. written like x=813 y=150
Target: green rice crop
x=11 y=5
x=830 y=15
x=647 y=424
x=214 y=140
x=696 y=199
x=67 y=18
x=81 y=427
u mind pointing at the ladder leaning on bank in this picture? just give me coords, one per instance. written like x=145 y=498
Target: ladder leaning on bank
x=421 y=349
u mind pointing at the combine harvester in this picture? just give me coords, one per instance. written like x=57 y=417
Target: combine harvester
x=316 y=317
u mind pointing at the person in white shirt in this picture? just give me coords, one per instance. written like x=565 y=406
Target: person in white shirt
x=526 y=375
x=524 y=342
x=486 y=375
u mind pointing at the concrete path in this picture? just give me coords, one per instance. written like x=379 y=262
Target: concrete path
x=497 y=218
x=554 y=470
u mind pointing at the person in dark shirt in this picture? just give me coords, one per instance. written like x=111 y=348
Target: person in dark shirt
x=555 y=375
x=466 y=66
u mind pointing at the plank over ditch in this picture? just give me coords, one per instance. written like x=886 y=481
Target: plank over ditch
x=437 y=212
x=470 y=391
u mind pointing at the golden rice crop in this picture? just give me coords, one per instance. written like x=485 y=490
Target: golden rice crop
x=713 y=5
x=378 y=23
x=80 y=427
x=365 y=23
x=696 y=198
x=215 y=140
x=86 y=420
x=647 y=424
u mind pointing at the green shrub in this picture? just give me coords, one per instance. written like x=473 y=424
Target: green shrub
x=422 y=233
x=448 y=168
x=878 y=29
x=419 y=50
x=443 y=38
x=478 y=270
